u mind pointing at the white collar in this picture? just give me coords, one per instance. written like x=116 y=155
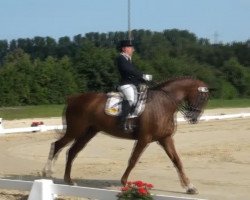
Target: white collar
x=126 y=56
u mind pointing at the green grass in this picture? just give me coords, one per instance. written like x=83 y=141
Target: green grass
x=41 y=111
x=234 y=103
x=22 y=112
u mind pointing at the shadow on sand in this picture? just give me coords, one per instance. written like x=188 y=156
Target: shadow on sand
x=93 y=183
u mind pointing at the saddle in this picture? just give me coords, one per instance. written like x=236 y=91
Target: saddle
x=114 y=103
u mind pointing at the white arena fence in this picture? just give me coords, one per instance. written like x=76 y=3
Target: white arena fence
x=44 y=189
x=43 y=128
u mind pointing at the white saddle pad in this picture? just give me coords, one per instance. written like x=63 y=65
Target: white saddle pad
x=114 y=103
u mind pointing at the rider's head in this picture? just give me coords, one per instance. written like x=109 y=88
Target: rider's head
x=127 y=47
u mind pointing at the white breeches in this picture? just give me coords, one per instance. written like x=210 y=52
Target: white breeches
x=130 y=93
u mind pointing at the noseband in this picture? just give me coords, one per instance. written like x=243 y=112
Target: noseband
x=193 y=111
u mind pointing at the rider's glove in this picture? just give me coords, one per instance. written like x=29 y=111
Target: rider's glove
x=147 y=77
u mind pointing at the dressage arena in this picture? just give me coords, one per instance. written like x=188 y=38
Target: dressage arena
x=215 y=155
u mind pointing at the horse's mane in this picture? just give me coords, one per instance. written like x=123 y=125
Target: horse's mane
x=169 y=81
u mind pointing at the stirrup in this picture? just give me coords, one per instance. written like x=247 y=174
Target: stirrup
x=128 y=127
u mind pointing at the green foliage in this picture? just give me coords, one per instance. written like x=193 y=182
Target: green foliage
x=228 y=103
x=22 y=112
x=16 y=79
x=96 y=65
x=228 y=91
x=41 y=70
x=235 y=74
x=24 y=82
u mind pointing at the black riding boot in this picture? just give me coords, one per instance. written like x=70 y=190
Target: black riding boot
x=126 y=108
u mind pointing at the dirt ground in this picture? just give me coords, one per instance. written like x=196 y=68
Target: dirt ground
x=215 y=155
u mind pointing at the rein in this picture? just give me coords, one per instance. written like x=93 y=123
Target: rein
x=182 y=108
x=154 y=84
x=187 y=109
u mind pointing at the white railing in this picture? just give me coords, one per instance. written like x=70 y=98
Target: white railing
x=43 y=128
x=40 y=128
x=218 y=117
x=44 y=189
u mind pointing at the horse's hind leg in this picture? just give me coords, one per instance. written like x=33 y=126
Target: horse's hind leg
x=55 y=149
x=77 y=146
x=168 y=145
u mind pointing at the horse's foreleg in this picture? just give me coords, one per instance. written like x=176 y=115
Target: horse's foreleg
x=138 y=149
x=55 y=149
x=168 y=145
x=77 y=146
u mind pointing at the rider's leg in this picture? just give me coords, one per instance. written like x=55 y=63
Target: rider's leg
x=125 y=112
x=130 y=95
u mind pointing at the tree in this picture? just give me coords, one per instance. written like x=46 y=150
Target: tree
x=228 y=91
x=234 y=73
x=65 y=47
x=95 y=67
x=16 y=79
x=242 y=52
x=55 y=80
x=3 y=50
x=47 y=71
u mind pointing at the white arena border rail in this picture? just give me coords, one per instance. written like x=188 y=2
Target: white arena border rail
x=43 y=128
x=44 y=189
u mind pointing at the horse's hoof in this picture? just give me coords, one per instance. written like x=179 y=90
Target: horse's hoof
x=73 y=183
x=70 y=182
x=192 y=190
x=47 y=174
x=123 y=181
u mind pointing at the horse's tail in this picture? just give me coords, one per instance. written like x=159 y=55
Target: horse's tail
x=69 y=99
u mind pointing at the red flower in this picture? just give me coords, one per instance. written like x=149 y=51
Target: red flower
x=135 y=190
x=139 y=183
x=142 y=191
x=37 y=123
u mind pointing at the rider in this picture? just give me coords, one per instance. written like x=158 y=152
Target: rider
x=130 y=79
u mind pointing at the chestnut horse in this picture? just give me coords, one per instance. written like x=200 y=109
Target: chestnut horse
x=85 y=117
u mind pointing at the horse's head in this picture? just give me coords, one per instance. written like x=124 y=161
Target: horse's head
x=195 y=101
x=188 y=94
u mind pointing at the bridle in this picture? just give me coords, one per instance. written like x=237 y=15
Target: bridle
x=189 y=110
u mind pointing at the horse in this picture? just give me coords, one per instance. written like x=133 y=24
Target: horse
x=85 y=117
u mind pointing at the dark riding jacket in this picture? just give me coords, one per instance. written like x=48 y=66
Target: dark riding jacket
x=129 y=74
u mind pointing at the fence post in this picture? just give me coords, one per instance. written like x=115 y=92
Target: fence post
x=41 y=190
